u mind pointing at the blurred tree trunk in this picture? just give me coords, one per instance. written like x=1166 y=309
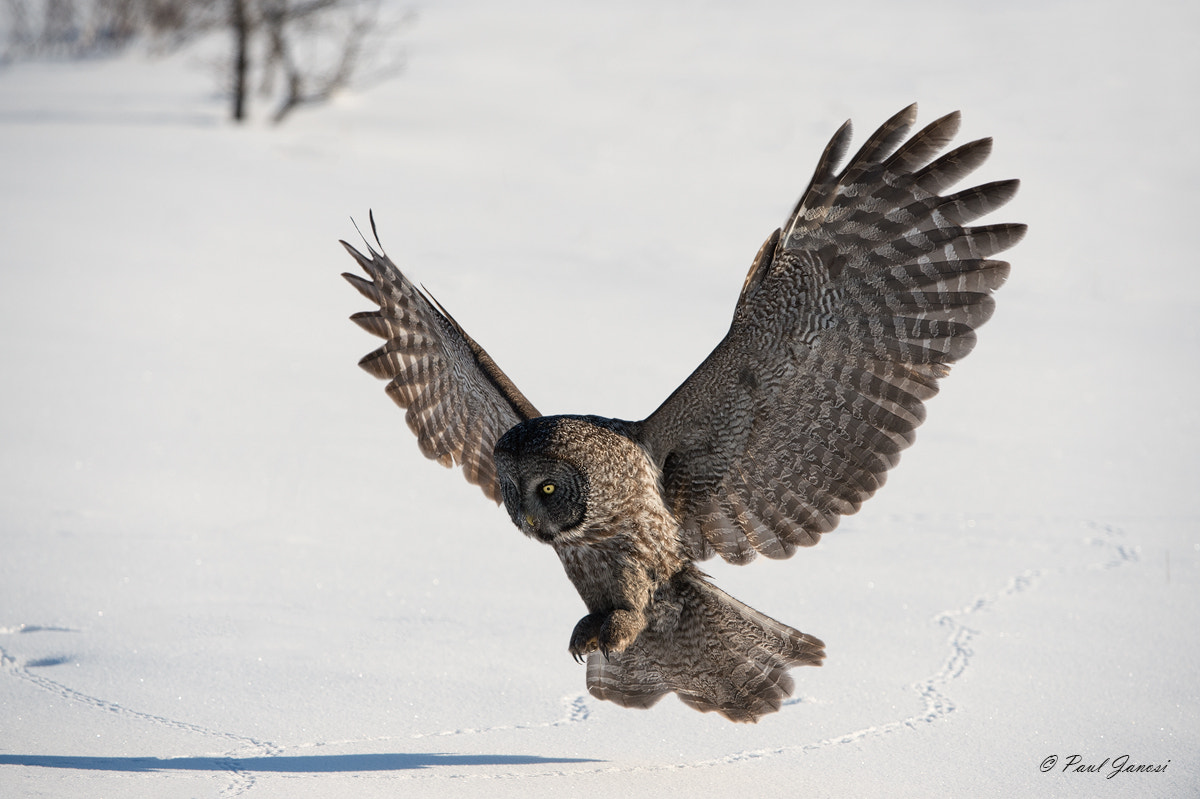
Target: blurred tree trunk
x=241 y=57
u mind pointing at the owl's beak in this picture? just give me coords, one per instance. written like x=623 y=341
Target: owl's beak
x=533 y=529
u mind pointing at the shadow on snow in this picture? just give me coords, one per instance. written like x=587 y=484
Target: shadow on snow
x=306 y=764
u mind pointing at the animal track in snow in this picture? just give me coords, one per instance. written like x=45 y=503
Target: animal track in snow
x=242 y=781
x=576 y=707
x=937 y=704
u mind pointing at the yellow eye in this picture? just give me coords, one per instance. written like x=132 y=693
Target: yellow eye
x=548 y=488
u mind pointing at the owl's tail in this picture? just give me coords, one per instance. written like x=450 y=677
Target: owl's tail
x=715 y=652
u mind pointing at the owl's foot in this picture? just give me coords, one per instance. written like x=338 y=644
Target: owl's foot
x=586 y=637
x=605 y=632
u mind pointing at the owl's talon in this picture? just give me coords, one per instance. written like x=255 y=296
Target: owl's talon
x=591 y=646
x=585 y=639
x=605 y=633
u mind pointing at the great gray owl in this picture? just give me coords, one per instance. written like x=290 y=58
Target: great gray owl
x=850 y=314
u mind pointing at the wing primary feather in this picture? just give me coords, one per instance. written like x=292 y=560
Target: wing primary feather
x=925 y=144
x=833 y=154
x=831 y=157
x=953 y=166
x=966 y=206
x=991 y=239
x=367 y=288
x=881 y=142
x=374 y=229
x=374 y=323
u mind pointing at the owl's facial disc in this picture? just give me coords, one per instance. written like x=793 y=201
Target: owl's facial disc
x=544 y=497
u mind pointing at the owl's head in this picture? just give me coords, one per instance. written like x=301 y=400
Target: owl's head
x=541 y=479
x=561 y=476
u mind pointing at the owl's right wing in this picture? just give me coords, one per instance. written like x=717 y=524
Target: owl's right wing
x=849 y=316
x=458 y=400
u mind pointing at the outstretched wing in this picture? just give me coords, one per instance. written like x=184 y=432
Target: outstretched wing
x=849 y=316
x=459 y=402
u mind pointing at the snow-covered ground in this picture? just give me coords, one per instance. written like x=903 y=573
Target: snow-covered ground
x=225 y=568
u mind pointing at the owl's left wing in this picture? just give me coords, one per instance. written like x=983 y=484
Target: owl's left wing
x=459 y=401
x=849 y=316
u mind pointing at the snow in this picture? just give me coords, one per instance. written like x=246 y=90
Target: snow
x=226 y=569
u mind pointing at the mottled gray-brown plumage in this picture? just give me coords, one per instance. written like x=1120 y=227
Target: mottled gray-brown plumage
x=850 y=314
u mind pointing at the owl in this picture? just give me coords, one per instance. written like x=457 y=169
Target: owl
x=849 y=316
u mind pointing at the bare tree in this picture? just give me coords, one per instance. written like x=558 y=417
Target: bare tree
x=298 y=51
x=311 y=47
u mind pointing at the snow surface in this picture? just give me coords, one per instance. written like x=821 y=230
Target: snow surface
x=225 y=568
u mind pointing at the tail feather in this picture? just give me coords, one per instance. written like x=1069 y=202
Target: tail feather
x=714 y=652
